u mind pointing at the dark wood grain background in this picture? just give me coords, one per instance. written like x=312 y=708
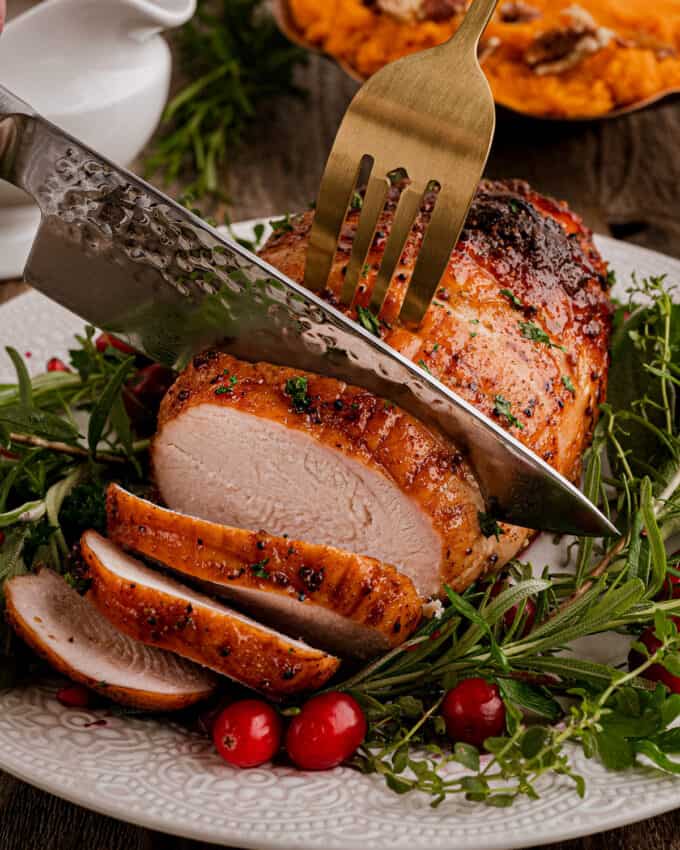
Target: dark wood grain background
x=623 y=176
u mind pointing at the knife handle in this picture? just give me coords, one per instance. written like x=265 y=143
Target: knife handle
x=15 y=118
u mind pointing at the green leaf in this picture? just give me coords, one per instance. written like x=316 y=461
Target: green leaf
x=669 y=741
x=467 y=755
x=474 y=785
x=11 y=560
x=36 y=508
x=102 y=409
x=537 y=700
x=23 y=378
x=655 y=754
x=121 y=424
x=616 y=753
x=500 y=801
x=656 y=544
x=369 y=320
x=533 y=740
x=37 y=422
x=400 y=759
x=410 y=706
x=399 y=786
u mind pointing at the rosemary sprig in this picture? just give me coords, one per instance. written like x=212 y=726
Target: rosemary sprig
x=234 y=60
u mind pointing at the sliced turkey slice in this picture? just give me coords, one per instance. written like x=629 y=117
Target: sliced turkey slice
x=347 y=603
x=156 y=610
x=76 y=640
x=260 y=446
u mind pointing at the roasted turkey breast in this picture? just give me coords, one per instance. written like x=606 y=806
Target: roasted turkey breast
x=346 y=603
x=519 y=327
x=155 y=610
x=76 y=640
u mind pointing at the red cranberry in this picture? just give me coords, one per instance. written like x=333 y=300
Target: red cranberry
x=327 y=731
x=54 y=364
x=528 y=618
x=247 y=733
x=670 y=588
x=529 y=614
x=657 y=672
x=473 y=711
x=144 y=393
x=106 y=340
x=74 y=696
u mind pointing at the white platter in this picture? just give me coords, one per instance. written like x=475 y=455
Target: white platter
x=160 y=776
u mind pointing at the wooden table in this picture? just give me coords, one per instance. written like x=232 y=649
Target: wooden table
x=623 y=176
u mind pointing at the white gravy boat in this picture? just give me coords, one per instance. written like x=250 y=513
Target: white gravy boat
x=97 y=68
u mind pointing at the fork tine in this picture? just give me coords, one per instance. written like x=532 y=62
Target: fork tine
x=337 y=186
x=441 y=236
x=374 y=201
x=404 y=216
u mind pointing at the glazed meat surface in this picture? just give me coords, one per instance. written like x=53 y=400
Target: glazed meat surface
x=155 y=610
x=340 y=601
x=522 y=313
x=519 y=327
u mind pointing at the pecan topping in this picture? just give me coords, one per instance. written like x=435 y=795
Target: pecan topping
x=518 y=12
x=419 y=10
x=561 y=48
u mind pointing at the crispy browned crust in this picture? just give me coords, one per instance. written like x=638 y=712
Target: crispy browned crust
x=262 y=660
x=515 y=243
x=423 y=464
x=470 y=338
x=371 y=594
x=146 y=700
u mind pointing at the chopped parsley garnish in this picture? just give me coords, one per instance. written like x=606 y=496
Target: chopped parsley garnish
x=435 y=346
x=357 y=202
x=514 y=206
x=369 y=320
x=489 y=526
x=530 y=330
x=282 y=225
x=259 y=570
x=296 y=388
x=502 y=407
x=228 y=388
x=611 y=278
x=566 y=380
x=512 y=298
x=366 y=270
x=423 y=365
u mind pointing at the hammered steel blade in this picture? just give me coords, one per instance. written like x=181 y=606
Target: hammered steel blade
x=431 y=115
x=130 y=260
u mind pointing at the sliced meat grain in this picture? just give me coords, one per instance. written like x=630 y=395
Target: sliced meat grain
x=346 y=603
x=156 y=610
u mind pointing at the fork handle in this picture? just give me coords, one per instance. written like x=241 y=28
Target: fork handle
x=474 y=23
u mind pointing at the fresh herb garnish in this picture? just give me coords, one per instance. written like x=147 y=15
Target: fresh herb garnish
x=566 y=381
x=296 y=388
x=423 y=365
x=357 y=201
x=259 y=570
x=489 y=526
x=369 y=320
x=512 y=298
x=530 y=330
x=235 y=60
x=282 y=225
x=502 y=407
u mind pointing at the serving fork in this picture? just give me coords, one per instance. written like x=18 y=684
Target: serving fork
x=432 y=116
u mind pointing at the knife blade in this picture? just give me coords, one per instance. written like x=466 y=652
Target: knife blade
x=131 y=261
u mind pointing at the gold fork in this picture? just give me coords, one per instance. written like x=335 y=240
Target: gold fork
x=431 y=114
